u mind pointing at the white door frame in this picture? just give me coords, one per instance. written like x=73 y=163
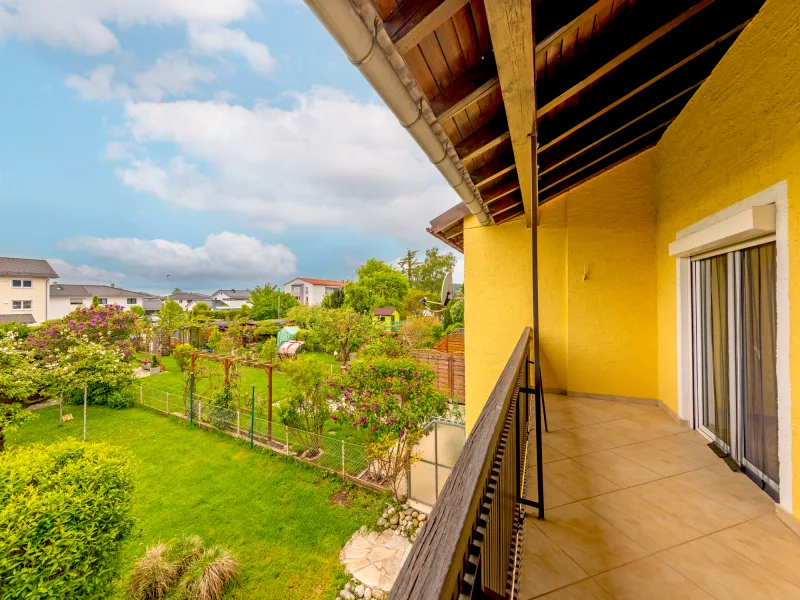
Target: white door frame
x=778 y=195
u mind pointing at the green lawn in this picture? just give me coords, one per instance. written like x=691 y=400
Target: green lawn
x=273 y=512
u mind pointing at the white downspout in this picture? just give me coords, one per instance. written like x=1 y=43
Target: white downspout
x=360 y=45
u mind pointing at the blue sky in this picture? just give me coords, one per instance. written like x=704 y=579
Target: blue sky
x=223 y=142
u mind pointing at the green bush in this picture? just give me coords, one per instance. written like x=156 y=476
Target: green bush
x=65 y=510
x=307 y=336
x=182 y=355
x=452 y=327
x=102 y=394
x=437 y=333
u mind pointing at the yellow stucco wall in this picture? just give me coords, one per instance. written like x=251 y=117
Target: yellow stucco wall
x=738 y=135
x=497 y=277
x=553 y=295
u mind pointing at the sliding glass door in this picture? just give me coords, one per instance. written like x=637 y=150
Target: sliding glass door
x=734 y=343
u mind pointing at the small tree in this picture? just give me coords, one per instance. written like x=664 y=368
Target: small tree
x=171 y=317
x=334 y=300
x=390 y=399
x=17 y=370
x=182 y=354
x=416 y=333
x=138 y=311
x=306 y=403
x=340 y=330
x=268 y=302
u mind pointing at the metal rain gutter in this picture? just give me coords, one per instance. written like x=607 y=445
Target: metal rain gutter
x=360 y=44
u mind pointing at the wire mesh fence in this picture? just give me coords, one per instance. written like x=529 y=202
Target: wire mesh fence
x=329 y=453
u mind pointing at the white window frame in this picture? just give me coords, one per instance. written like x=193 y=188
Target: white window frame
x=778 y=195
x=103 y=301
x=129 y=303
x=72 y=302
x=22 y=283
x=22 y=305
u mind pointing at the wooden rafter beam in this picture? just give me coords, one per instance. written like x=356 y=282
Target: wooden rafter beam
x=587 y=17
x=494 y=169
x=509 y=214
x=511 y=30
x=454 y=230
x=414 y=20
x=487 y=137
x=582 y=145
x=623 y=56
x=504 y=203
x=501 y=189
x=473 y=85
x=644 y=86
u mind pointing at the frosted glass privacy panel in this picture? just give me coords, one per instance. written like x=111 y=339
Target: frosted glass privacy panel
x=423 y=482
x=451 y=441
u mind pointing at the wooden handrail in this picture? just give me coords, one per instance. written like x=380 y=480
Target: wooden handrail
x=439 y=559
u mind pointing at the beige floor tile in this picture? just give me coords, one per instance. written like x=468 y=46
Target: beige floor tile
x=692 y=437
x=649 y=578
x=549 y=454
x=569 y=444
x=604 y=436
x=616 y=468
x=584 y=590
x=544 y=567
x=698 y=453
x=767 y=542
x=726 y=574
x=661 y=462
x=645 y=523
x=693 y=508
x=640 y=432
x=626 y=409
x=553 y=495
x=576 y=480
x=734 y=490
x=589 y=540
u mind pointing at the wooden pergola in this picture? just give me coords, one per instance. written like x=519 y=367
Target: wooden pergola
x=610 y=76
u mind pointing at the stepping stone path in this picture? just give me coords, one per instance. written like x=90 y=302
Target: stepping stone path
x=374 y=559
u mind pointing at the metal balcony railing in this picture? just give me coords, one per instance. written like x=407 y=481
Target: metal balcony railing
x=470 y=545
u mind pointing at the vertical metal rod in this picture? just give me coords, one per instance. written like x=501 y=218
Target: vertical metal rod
x=269 y=403
x=84 y=412
x=252 y=414
x=539 y=471
x=238 y=422
x=141 y=394
x=167 y=402
x=436 y=459
x=343 y=470
x=61 y=409
x=191 y=397
x=287 y=439
x=199 y=411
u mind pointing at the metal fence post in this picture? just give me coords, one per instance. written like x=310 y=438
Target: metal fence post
x=141 y=394
x=286 y=429
x=343 y=469
x=191 y=397
x=167 y=393
x=238 y=422
x=61 y=410
x=84 y=412
x=252 y=414
x=435 y=460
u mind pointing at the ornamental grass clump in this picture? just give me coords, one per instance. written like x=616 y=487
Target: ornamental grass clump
x=183 y=569
x=209 y=576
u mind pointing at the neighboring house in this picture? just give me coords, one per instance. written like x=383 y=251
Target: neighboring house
x=188 y=300
x=311 y=291
x=232 y=298
x=66 y=297
x=152 y=304
x=388 y=315
x=23 y=290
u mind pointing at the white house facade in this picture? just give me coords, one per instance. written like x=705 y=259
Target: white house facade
x=66 y=297
x=232 y=298
x=188 y=300
x=23 y=290
x=311 y=291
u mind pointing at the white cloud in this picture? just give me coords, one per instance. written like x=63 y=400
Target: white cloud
x=82 y=25
x=171 y=74
x=224 y=256
x=329 y=160
x=214 y=39
x=69 y=273
x=458 y=271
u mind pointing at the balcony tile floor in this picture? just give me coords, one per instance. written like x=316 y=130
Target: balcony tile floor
x=637 y=506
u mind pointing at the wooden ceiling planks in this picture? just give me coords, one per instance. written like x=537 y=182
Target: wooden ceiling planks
x=414 y=20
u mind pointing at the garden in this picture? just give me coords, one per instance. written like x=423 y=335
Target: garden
x=218 y=500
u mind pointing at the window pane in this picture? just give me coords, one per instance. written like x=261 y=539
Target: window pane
x=131 y=300
x=103 y=300
x=16 y=304
x=26 y=304
x=76 y=300
x=27 y=283
x=16 y=283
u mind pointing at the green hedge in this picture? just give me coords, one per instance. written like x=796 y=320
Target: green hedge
x=65 y=510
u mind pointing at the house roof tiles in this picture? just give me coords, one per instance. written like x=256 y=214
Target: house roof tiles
x=26 y=267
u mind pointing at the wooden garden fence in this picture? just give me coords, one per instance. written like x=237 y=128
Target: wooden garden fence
x=449 y=370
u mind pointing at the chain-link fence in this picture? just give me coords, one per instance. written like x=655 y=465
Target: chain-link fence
x=326 y=452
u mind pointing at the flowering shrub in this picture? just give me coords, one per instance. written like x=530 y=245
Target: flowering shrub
x=17 y=370
x=108 y=325
x=389 y=399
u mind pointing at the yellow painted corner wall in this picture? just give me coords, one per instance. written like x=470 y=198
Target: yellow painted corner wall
x=738 y=135
x=552 y=235
x=611 y=285
x=497 y=275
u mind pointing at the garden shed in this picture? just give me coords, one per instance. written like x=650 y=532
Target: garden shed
x=286 y=334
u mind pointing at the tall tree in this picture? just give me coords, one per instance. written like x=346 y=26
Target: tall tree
x=408 y=264
x=431 y=272
x=377 y=285
x=267 y=299
x=171 y=317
